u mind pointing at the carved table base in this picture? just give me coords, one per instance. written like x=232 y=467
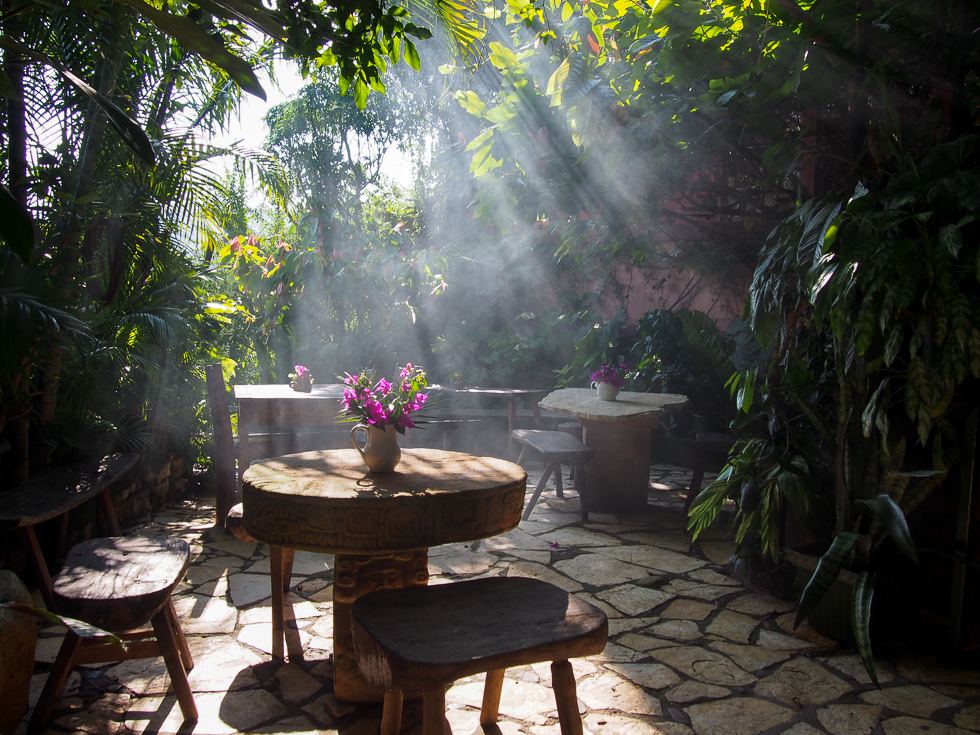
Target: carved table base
x=355 y=575
x=619 y=476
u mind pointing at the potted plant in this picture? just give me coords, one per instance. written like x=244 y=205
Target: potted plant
x=608 y=380
x=301 y=380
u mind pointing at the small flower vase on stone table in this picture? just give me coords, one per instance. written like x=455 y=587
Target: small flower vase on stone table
x=606 y=391
x=381 y=452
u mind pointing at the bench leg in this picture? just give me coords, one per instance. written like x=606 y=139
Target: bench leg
x=520 y=458
x=563 y=682
x=278 y=623
x=40 y=566
x=175 y=666
x=185 y=652
x=434 y=711
x=549 y=468
x=56 y=680
x=391 y=715
x=583 y=490
x=558 y=488
x=491 y=697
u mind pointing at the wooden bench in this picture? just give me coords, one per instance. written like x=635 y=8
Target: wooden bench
x=120 y=584
x=557 y=448
x=418 y=640
x=56 y=492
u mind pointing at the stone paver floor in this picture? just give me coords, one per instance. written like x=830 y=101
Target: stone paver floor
x=690 y=649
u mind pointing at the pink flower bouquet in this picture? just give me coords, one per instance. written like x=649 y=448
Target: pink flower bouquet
x=384 y=403
x=615 y=375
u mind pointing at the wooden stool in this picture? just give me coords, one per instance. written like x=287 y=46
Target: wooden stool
x=710 y=450
x=557 y=448
x=421 y=639
x=119 y=584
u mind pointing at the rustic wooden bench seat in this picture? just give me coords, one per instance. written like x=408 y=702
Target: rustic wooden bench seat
x=420 y=639
x=557 y=448
x=56 y=492
x=120 y=584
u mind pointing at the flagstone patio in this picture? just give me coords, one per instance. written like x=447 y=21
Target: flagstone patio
x=690 y=649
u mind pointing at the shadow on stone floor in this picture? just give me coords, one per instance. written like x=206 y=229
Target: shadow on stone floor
x=691 y=649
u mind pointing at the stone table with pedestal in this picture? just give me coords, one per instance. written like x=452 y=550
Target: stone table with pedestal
x=379 y=525
x=620 y=432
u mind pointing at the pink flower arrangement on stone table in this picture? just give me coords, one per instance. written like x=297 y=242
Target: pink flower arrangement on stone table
x=301 y=379
x=384 y=403
x=615 y=375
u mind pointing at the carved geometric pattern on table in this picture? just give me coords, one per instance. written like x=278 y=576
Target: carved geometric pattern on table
x=356 y=575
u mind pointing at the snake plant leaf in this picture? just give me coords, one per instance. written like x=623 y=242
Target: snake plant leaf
x=16 y=225
x=78 y=627
x=892 y=519
x=860 y=621
x=825 y=574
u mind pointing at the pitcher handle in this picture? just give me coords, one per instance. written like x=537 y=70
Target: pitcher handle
x=354 y=441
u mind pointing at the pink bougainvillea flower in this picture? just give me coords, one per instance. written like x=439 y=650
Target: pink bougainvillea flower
x=407 y=370
x=384 y=386
x=554 y=544
x=300 y=371
x=376 y=412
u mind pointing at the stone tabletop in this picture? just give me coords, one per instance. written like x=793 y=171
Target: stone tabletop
x=582 y=403
x=282 y=391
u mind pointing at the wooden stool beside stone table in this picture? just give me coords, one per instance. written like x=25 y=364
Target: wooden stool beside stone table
x=421 y=639
x=556 y=448
x=379 y=525
x=620 y=432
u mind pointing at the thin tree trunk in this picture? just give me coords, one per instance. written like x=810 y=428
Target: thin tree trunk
x=16 y=119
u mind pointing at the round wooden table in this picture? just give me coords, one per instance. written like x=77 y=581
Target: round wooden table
x=620 y=432
x=379 y=525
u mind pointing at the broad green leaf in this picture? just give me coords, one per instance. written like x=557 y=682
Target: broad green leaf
x=566 y=12
x=360 y=94
x=951 y=239
x=860 y=621
x=557 y=80
x=412 y=55
x=893 y=342
x=825 y=574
